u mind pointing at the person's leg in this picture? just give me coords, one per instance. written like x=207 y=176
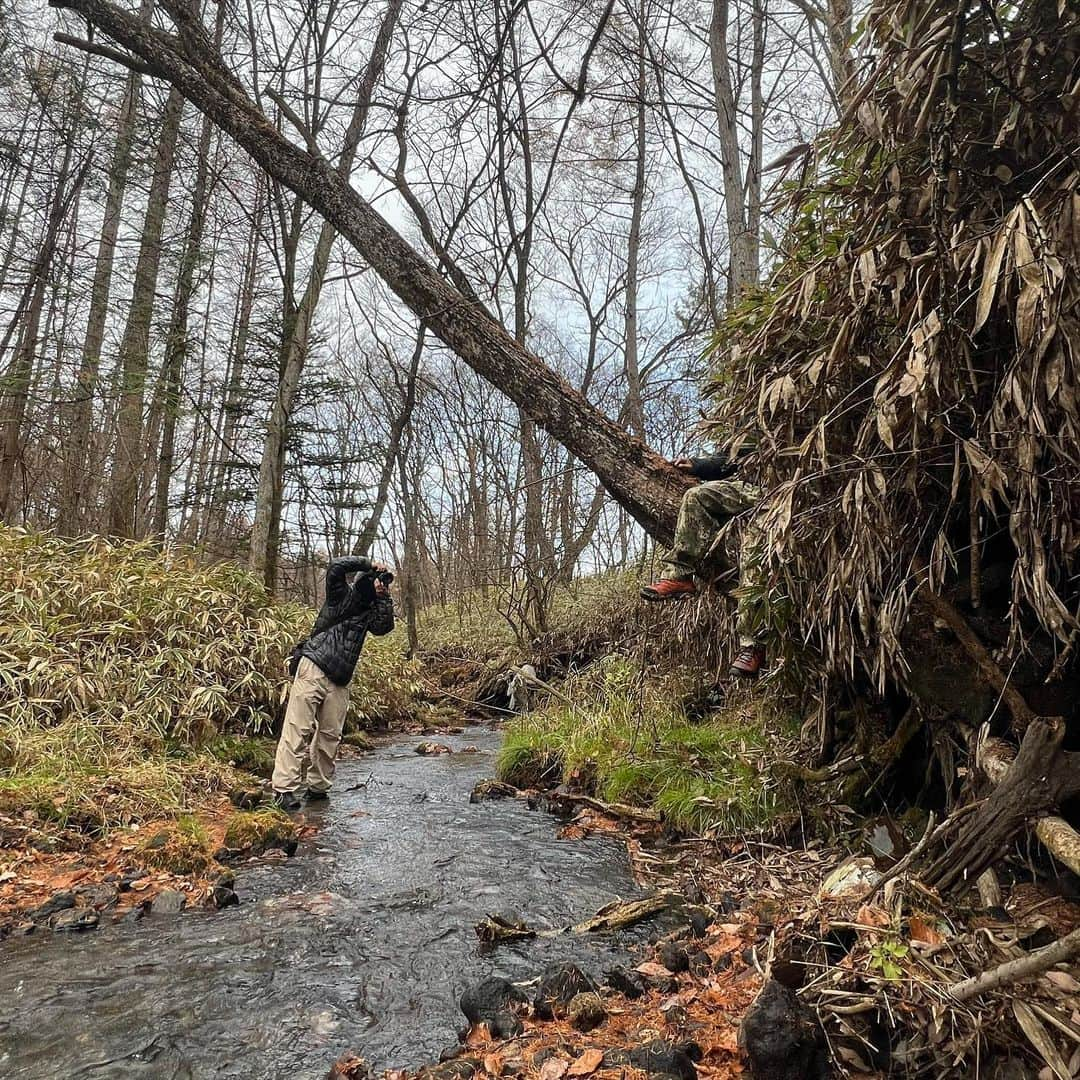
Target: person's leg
x=704 y=511
x=327 y=739
x=750 y=659
x=305 y=697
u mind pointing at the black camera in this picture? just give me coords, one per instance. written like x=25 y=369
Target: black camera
x=384 y=576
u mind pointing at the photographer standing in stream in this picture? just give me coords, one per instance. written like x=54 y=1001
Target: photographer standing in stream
x=322 y=667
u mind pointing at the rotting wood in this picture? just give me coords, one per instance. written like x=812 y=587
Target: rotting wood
x=618 y=915
x=612 y=810
x=1013 y=971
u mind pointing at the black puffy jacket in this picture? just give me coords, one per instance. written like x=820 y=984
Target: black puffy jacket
x=348 y=615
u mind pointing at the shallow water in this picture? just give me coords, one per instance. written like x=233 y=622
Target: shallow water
x=363 y=941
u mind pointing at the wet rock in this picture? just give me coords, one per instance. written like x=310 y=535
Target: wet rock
x=74 y=920
x=223 y=896
x=701 y=918
x=586 y=1011
x=245 y=798
x=673 y=957
x=623 y=981
x=23 y=929
x=559 y=985
x=781 y=1038
x=430 y=749
x=658 y=1058
x=97 y=896
x=701 y=964
x=470 y=750
x=129 y=879
x=59 y=901
x=169 y=902
x=495 y=1002
x=132 y=915
x=491 y=789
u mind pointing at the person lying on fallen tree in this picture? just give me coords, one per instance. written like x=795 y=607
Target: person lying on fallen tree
x=697 y=553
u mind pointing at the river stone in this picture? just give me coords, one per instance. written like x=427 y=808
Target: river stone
x=245 y=798
x=673 y=957
x=223 y=896
x=169 y=902
x=625 y=982
x=586 y=1011
x=658 y=1058
x=97 y=896
x=781 y=1037
x=129 y=879
x=495 y=1002
x=428 y=749
x=59 y=901
x=559 y=985
x=74 y=920
x=491 y=789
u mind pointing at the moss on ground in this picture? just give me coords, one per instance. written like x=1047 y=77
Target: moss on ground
x=628 y=736
x=182 y=847
x=253 y=754
x=259 y=830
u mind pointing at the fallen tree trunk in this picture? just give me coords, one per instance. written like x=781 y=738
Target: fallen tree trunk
x=639 y=479
x=1028 y=786
x=1055 y=833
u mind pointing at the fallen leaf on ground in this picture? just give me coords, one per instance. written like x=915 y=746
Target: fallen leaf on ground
x=588 y=1063
x=1063 y=981
x=478 y=1036
x=872 y=916
x=553 y=1069
x=651 y=967
x=921 y=930
x=493 y=1064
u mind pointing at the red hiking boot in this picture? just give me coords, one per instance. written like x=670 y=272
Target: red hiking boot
x=749 y=662
x=668 y=589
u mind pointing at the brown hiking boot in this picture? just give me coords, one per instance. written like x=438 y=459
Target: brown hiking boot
x=668 y=589
x=749 y=662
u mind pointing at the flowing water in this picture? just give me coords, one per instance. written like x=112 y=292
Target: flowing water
x=363 y=941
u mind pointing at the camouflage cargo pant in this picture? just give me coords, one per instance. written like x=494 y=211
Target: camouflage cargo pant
x=699 y=544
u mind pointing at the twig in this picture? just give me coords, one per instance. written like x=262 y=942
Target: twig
x=1016 y=970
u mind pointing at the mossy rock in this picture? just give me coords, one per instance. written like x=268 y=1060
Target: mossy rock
x=358 y=740
x=260 y=830
x=183 y=847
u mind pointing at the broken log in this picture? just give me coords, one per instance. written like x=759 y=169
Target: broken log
x=1026 y=967
x=618 y=915
x=1034 y=783
x=1038 y=780
x=612 y=810
x=1054 y=833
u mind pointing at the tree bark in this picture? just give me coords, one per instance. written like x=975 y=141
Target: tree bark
x=638 y=478
x=743 y=245
x=134 y=358
x=76 y=473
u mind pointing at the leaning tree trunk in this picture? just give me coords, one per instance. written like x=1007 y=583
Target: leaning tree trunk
x=636 y=476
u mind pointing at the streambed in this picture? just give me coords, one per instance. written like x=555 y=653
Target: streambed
x=363 y=941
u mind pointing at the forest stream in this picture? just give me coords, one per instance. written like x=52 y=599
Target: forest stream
x=363 y=941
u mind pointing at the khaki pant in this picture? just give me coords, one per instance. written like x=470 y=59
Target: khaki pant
x=311 y=733
x=706 y=510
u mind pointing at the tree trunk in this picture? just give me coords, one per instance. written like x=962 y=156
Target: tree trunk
x=382 y=492
x=134 y=356
x=16 y=381
x=743 y=245
x=636 y=476
x=265 y=529
x=77 y=441
x=176 y=340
